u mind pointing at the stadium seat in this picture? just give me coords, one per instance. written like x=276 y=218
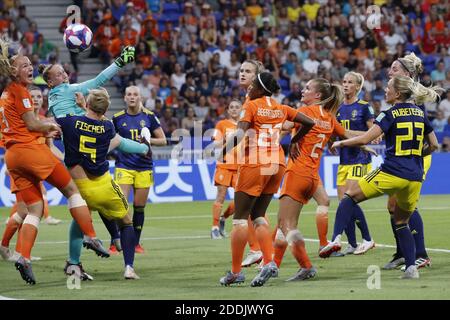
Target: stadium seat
x=284 y=84
x=169 y=8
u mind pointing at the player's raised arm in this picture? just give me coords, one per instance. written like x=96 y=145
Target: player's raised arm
x=126 y=56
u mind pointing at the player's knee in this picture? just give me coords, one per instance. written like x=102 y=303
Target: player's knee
x=322 y=210
x=75 y=201
x=279 y=236
x=347 y=196
x=16 y=216
x=260 y=221
x=294 y=236
x=240 y=222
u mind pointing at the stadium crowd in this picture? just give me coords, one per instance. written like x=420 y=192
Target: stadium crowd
x=189 y=53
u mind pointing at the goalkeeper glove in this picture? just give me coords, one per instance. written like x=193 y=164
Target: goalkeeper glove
x=126 y=56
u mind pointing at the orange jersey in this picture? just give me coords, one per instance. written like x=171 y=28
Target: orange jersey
x=223 y=130
x=14 y=102
x=266 y=117
x=312 y=144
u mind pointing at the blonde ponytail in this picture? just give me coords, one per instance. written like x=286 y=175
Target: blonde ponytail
x=413 y=90
x=331 y=95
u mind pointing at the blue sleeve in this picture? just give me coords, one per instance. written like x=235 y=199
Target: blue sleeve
x=154 y=122
x=368 y=113
x=384 y=121
x=111 y=130
x=98 y=81
x=114 y=121
x=428 y=127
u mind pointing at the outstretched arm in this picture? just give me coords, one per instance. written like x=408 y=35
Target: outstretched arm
x=374 y=132
x=126 y=56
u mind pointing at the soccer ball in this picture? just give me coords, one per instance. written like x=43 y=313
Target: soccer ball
x=77 y=37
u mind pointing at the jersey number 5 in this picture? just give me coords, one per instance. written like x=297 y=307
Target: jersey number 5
x=90 y=151
x=410 y=136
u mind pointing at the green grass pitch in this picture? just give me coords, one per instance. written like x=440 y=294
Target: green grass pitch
x=182 y=262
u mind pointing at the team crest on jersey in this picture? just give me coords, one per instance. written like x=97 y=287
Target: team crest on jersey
x=124 y=124
x=26 y=103
x=354 y=114
x=142 y=123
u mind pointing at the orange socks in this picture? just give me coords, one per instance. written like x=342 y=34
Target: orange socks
x=28 y=235
x=279 y=247
x=81 y=214
x=298 y=250
x=264 y=238
x=19 y=240
x=252 y=241
x=45 y=208
x=14 y=222
x=229 y=211
x=216 y=210
x=238 y=242
x=322 y=224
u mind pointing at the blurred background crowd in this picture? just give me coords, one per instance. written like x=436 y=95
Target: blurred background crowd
x=189 y=53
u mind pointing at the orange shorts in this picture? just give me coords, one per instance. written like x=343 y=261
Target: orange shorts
x=263 y=179
x=225 y=177
x=28 y=165
x=299 y=188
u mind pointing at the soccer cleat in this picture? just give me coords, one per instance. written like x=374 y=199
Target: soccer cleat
x=5 y=253
x=95 y=245
x=139 y=249
x=117 y=244
x=15 y=256
x=329 y=249
x=420 y=263
x=52 y=221
x=222 y=231
x=252 y=257
x=129 y=273
x=303 y=274
x=410 y=273
x=337 y=254
x=77 y=269
x=113 y=250
x=25 y=270
x=364 y=247
x=232 y=278
x=396 y=262
x=349 y=250
x=268 y=271
x=215 y=234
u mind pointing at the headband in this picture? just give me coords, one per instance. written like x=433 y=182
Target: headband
x=404 y=67
x=262 y=84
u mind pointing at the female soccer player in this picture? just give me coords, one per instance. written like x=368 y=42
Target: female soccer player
x=247 y=74
x=226 y=173
x=19 y=211
x=354 y=163
x=409 y=66
x=260 y=175
x=87 y=140
x=301 y=179
x=135 y=170
x=405 y=126
x=63 y=101
x=30 y=161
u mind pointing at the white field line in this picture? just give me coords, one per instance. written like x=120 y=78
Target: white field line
x=207 y=237
x=208 y=216
x=7 y=298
